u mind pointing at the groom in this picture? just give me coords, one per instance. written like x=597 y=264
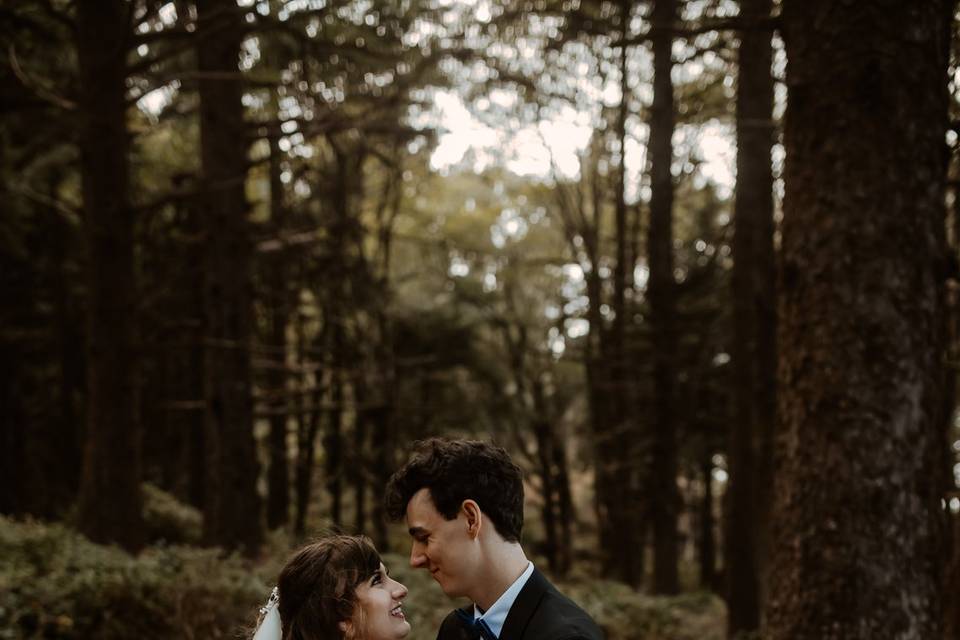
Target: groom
x=463 y=504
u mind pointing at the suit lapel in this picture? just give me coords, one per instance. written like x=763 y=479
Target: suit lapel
x=523 y=607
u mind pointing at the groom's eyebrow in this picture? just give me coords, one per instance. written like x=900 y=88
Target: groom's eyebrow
x=417 y=531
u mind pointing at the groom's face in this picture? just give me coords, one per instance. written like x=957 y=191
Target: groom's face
x=443 y=547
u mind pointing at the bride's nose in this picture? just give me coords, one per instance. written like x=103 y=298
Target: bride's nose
x=399 y=591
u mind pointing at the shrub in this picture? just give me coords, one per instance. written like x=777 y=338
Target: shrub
x=168 y=519
x=54 y=583
x=624 y=614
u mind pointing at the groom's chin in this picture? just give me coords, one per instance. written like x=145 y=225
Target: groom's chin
x=449 y=590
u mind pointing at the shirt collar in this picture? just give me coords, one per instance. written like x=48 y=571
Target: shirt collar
x=496 y=615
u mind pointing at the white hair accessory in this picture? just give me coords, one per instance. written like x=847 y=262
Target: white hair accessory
x=269 y=628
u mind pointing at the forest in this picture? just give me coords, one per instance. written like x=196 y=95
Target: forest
x=694 y=263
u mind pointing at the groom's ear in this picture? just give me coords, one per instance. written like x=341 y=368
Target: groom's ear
x=474 y=517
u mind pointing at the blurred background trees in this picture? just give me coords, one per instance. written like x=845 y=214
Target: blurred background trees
x=244 y=264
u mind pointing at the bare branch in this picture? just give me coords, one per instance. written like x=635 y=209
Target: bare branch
x=42 y=92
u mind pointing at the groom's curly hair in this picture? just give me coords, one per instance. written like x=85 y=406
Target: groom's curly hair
x=458 y=470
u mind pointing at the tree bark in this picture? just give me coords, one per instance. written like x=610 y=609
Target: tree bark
x=67 y=443
x=664 y=495
x=754 y=326
x=858 y=531
x=361 y=431
x=109 y=507
x=333 y=438
x=626 y=523
x=951 y=617
x=232 y=506
x=381 y=419
x=543 y=434
x=308 y=424
x=707 y=543
x=193 y=378
x=565 y=509
x=278 y=476
x=383 y=415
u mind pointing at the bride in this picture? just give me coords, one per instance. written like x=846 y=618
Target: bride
x=335 y=589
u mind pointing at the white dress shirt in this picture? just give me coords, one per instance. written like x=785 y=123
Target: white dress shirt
x=496 y=615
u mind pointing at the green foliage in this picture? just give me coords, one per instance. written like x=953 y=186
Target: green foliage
x=168 y=519
x=626 y=615
x=54 y=583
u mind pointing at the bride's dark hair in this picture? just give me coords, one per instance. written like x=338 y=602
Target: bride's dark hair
x=318 y=586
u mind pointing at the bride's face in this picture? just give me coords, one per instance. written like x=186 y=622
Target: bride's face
x=379 y=614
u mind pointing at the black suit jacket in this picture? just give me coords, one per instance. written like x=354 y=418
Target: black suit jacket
x=540 y=612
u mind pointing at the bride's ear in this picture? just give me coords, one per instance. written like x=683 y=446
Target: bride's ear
x=346 y=627
x=474 y=517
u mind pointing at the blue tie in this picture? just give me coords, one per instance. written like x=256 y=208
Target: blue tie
x=477 y=627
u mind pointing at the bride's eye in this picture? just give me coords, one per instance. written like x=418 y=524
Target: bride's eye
x=377 y=578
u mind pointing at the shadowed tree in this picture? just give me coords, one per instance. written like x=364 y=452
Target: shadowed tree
x=278 y=297
x=664 y=496
x=231 y=505
x=109 y=501
x=858 y=529
x=754 y=326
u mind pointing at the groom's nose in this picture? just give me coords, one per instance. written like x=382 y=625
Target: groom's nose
x=418 y=558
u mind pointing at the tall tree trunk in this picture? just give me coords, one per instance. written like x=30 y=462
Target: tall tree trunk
x=597 y=391
x=565 y=510
x=662 y=295
x=303 y=473
x=628 y=547
x=109 y=507
x=308 y=424
x=754 y=328
x=341 y=238
x=12 y=428
x=607 y=485
x=358 y=469
x=951 y=584
x=858 y=529
x=543 y=434
x=384 y=428
x=192 y=374
x=951 y=619
x=278 y=476
x=232 y=506
x=333 y=439
x=187 y=414
x=67 y=442
x=706 y=542
x=951 y=332
x=382 y=414
x=381 y=428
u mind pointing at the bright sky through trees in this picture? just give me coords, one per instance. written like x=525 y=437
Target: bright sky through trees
x=549 y=148
x=527 y=151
